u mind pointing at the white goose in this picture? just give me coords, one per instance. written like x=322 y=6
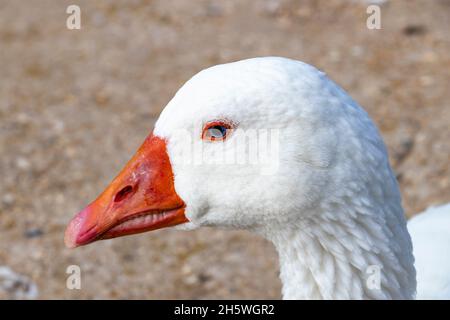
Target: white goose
x=329 y=202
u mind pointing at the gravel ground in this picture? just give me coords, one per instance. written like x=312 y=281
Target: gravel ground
x=75 y=105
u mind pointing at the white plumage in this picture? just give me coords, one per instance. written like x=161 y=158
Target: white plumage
x=332 y=206
x=430 y=233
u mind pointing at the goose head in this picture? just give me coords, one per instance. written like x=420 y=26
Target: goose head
x=270 y=145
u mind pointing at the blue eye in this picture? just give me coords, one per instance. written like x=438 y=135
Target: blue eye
x=216 y=131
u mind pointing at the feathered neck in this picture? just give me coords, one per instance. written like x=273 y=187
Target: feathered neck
x=354 y=248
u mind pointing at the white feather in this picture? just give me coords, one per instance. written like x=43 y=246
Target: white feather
x=430 y=232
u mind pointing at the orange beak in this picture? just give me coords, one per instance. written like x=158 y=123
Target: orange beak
x=141 y=198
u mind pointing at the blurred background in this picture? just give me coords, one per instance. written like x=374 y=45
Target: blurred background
x=76 y=104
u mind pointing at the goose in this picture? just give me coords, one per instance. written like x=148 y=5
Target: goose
x=319 y=186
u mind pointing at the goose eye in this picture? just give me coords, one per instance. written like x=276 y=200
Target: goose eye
x=216 y=131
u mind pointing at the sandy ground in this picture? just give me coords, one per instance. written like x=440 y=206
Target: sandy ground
x=75 y=105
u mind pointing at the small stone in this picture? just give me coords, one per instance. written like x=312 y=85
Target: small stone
x=23 y=164
x=202 y=277
x=403 y=150
x=33 y=233
x=191 y=280
x=16 y=286
x=414 y=30
x=186 y=269
x=272 y=7
x=8 y=199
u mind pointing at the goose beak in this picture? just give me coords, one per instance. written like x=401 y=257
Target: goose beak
x=141 y=198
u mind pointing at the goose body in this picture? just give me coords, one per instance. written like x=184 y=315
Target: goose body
x=319 y=185
x=431 y=242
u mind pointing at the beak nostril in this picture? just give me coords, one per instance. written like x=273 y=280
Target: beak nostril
x=123 y=193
